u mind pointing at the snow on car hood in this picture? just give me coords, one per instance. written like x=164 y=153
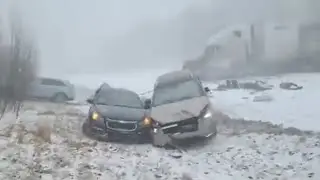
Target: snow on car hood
x=179 y=110
x=121 y=113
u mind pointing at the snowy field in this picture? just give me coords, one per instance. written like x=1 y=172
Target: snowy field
x=47 y=143
x=291 y=108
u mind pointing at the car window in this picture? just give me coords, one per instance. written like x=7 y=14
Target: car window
x=176 y=92
x=51 y=82
x=113 y=97
x=98 y=90
x=102 y=86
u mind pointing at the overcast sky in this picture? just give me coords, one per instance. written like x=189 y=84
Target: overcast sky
x=75 y=30
x=71 y=34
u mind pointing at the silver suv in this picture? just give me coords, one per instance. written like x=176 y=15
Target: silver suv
x=180 y=108
x=52 y=89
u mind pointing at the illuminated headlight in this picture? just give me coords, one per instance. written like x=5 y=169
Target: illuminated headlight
x=95 y=116
x=147 y=121
x=208 y=114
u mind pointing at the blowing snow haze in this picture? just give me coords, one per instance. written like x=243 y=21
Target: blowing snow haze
x=81 y=36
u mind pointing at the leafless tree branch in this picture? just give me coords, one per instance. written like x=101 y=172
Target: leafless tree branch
x=19 y=68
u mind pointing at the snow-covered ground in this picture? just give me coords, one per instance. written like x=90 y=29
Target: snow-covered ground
x=47 y=143
x=299 y=108
x=28 y=153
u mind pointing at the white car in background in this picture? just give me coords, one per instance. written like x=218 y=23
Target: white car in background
x=55 y=90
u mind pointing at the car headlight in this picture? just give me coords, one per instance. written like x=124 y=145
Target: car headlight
x=147 y=121
x=95 y=116
x=208 y=114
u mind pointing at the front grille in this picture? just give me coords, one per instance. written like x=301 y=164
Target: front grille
x=187 y=125
x=193 y=120
x=121 y=125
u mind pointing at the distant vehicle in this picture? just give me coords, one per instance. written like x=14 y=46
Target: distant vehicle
x=117 y=114
x=55 y=90
x=180 y=108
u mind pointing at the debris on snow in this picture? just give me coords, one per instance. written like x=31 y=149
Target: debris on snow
x=262 y=98
x=176 y=155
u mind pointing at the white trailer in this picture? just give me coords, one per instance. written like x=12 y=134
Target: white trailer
x=239 y=45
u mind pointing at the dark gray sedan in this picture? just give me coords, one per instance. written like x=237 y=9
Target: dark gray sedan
x=117 y=114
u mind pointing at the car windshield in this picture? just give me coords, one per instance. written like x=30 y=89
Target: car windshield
x=118 y=98
x=176 y=92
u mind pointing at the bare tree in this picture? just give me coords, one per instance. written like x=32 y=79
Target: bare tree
x=19 y=69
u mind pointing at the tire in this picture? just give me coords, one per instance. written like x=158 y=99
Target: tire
x=86 y=129
x=159 y=139
x=212 y=137
x=59 y=98
x=214 y=131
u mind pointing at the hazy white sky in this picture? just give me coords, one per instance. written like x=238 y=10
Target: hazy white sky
x=71 y=34
x=76 y=30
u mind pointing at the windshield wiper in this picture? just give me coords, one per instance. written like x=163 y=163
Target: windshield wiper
x=164 y=102
x=169 y=101
x=119 y=105
x=101 y=103
x=125 y=106
x=183 y=98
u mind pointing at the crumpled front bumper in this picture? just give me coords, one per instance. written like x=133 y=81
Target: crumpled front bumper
x=206 y=128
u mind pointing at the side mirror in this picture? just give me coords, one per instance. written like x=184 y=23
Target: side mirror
x=207 y=90
x=90 y=100
x=147 y=104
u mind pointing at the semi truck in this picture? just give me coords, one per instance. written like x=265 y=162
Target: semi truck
x=250 y=48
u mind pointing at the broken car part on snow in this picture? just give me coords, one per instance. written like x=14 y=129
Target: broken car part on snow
x=256 y=85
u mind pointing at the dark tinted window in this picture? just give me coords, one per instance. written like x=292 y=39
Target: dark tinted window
x=115 y=97
x=102 y=86
x=51 y=82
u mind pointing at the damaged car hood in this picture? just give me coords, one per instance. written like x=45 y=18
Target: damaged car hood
x=180 y=110
x=121 y=113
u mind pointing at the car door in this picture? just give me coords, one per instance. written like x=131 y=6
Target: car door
x=35 y=89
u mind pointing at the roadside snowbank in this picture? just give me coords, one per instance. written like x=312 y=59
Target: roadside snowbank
x=290 y=108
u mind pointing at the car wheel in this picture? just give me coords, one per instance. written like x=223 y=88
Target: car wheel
x=60 y=98
x=86 y=129
x=159 y=139
x=214 y=131
x=212 y=136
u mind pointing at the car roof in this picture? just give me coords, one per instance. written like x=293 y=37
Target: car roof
x=105 y=85
x=55 y=79
x=120 y=90
x=174 y=77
